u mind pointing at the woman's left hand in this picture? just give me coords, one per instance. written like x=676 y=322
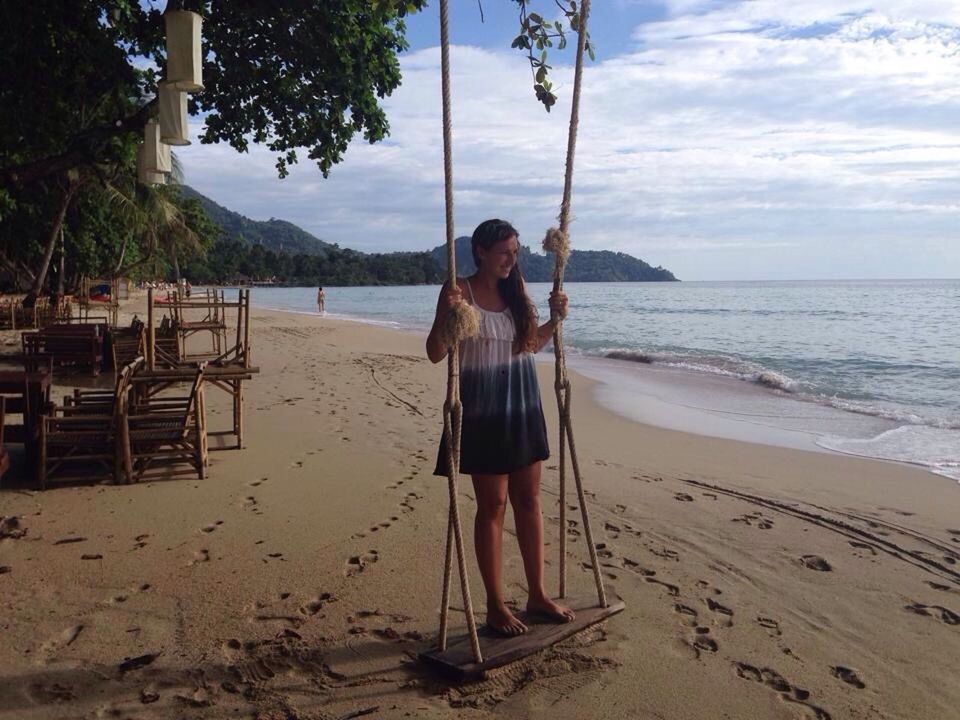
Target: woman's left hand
x=558 y=304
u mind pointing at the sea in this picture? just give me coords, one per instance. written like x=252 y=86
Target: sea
x=862 y=367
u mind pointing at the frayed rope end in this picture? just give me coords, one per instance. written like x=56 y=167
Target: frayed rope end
x=557 y=242
x=462 y=322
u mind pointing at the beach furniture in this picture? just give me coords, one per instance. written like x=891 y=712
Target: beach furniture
x=100 y=296
x=204 y=312
x=127 y=343
x=76 y=344
x=160 y=434
x=78 y=440
x=102 y=402
x=167 y=362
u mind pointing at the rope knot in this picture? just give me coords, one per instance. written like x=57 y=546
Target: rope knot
x=557 y=242
x=462 y=321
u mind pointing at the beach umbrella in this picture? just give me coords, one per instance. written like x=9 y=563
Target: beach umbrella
x=145 y=176
x=184 y=61
x=173 y=115
x=156 y=154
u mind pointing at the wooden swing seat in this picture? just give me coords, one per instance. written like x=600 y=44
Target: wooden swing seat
x=457 y=663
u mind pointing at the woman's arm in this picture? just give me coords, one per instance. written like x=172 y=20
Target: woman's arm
x=558 y=306
x=436 y=350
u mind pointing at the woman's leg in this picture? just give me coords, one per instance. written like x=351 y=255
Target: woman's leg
x=524 y=490
x=491 y=492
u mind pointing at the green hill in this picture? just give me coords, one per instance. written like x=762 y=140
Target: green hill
x=272 y=234
x=279 y=251
x=583 y=265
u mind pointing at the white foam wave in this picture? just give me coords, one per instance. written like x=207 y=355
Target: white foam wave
x=777 y=381
x=723 y=366
x=935 y=449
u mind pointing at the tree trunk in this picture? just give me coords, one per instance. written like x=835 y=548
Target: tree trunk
x=123 y=251
x=63 y=264
x=37 y=287
x=174 y=263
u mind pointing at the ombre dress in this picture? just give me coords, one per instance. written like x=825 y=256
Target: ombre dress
x=503 y=425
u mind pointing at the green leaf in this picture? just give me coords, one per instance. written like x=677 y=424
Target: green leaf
x=541 y=74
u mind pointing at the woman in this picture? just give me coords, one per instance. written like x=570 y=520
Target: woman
x=504 y=437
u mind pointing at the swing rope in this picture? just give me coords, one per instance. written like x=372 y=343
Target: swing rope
x=452 y=409
x=462 y=323
x=557 y=241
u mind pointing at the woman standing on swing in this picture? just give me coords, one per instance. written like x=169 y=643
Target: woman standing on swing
x=504 y=439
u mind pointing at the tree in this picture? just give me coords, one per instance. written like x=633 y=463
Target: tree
x=302 y=73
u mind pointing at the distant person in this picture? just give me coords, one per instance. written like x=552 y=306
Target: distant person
x=321 y=301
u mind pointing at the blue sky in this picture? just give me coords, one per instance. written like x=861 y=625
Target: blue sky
x=722 y=139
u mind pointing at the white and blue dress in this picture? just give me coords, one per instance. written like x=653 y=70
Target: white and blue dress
x=503 y=425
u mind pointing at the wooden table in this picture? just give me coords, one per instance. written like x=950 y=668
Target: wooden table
x=228 y=378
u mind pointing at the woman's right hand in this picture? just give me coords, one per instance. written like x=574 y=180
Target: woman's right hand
x=449 y=296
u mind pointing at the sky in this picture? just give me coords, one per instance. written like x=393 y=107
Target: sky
x=720 y=139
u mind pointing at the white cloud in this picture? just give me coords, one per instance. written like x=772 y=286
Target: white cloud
x=744 y=130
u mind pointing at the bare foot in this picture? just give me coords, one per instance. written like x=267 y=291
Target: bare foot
x=548 y=608
x=502 y=621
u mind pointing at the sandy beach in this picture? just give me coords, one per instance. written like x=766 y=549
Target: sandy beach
x=302 y=577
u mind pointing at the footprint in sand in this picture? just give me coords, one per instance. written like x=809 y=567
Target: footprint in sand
x=937 y=611
x=863 y=546
x=770 y=624
x=683 y=497
x=4 y=569
x=211 y=527
x=258 y=483
x=775 y=681
x=847 y=675
x=723 y=610
x=672 y=589
x=755 y=519
x=934 y=585
x=688 y=614
x=358 y=563
x=815 y=562
x=316 y=605
x=201 y=556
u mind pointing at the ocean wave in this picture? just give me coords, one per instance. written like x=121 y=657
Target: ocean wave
x=932 y=448
x=716 y=365
x=734 y=368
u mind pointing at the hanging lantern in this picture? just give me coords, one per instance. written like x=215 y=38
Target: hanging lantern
x=173 y=115
x=184 y=61
x=145 y=176
x=156 y=154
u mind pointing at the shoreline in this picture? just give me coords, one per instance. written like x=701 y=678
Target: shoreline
x=611 y=375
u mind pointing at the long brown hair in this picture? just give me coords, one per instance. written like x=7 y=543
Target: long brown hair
x=511 y=288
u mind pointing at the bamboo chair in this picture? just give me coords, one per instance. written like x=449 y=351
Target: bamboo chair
x=101 y=402
x=127 y=343
x=81 y=443
x=162 y=434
